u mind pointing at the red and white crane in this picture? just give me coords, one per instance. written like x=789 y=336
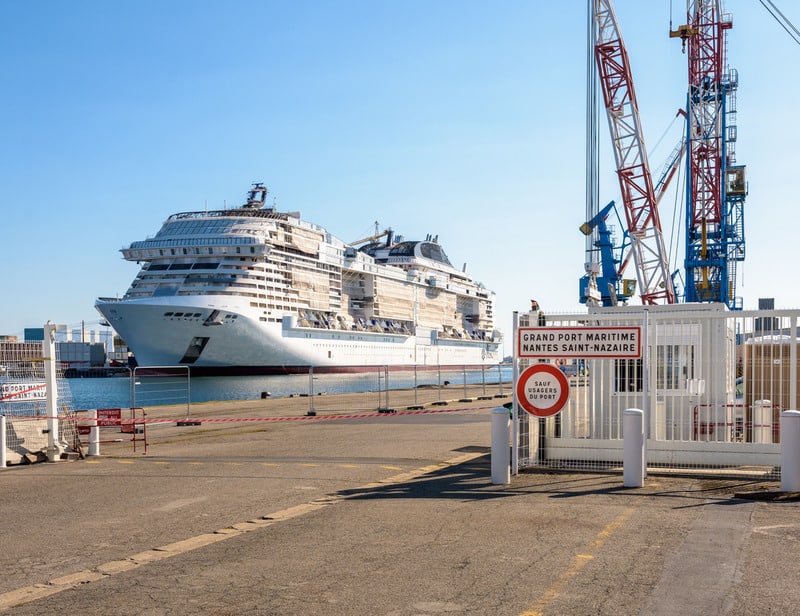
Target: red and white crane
x=633 y=170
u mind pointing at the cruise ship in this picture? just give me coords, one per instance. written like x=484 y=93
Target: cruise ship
x=252 y=290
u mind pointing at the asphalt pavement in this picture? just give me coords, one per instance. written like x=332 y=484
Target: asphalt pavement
x=392 y=514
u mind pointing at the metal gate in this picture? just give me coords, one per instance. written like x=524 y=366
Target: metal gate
x=712 y=384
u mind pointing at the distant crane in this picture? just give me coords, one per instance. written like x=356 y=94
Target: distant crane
x=716 y=186
x=375 y=236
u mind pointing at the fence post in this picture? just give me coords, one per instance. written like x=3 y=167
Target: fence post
x=790 y=451
x=386 y=382
x=416 y=389
x=3 y=460
x=633 y=452
x=94 y=434
x=500 y=379
x=51 y=385
x=311 y=410
x=501 y=451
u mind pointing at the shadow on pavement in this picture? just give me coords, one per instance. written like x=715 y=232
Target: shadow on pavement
x=471 y=481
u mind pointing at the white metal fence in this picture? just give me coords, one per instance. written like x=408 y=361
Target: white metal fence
x=37 y=425
x=712 y=385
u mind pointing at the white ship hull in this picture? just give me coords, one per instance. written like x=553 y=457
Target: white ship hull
x=241 y=344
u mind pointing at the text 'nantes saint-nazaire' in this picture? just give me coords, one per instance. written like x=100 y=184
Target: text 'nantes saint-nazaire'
x=572 y=342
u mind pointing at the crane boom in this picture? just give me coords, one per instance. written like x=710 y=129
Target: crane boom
x=633 y=171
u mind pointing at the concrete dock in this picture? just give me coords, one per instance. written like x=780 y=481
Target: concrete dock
x=386 y=513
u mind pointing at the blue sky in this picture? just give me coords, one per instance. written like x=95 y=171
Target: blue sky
x=458 y=118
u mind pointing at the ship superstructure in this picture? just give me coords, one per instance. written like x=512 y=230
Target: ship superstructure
x=255 y=290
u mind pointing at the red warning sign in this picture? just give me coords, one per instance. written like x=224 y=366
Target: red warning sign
x=542 y=390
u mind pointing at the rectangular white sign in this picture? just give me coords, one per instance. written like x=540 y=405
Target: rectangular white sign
x=578 y=342
x=22 y=392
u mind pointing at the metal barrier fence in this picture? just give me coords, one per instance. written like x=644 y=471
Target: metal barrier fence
x=712 y=385
x=378 y=388
x=161 y=385
x=367 y=387
x=29 y=422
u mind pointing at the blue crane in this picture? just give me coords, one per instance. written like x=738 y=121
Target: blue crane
x=604 y=285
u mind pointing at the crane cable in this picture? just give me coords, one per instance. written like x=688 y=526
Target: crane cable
x=782 y=20
x=677 y=216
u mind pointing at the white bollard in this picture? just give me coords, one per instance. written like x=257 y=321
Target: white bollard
x=3 y=460
x=633 y=462
x=94 y=434
x=501 y=446
x=790 y=451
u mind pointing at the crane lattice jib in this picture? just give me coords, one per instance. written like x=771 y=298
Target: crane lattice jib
x=633 y=171
x=714 y=240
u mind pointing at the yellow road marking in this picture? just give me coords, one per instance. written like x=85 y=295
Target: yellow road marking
x=555 y=589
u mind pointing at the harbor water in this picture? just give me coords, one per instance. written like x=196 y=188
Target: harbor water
x=124 y=392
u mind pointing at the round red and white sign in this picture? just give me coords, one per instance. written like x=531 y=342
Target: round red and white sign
x=542 y=390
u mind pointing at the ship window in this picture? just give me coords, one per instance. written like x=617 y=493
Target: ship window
x=403 y=249
x=178 y=314
x=165 y=289
x=434 y=252
x=168 y=314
